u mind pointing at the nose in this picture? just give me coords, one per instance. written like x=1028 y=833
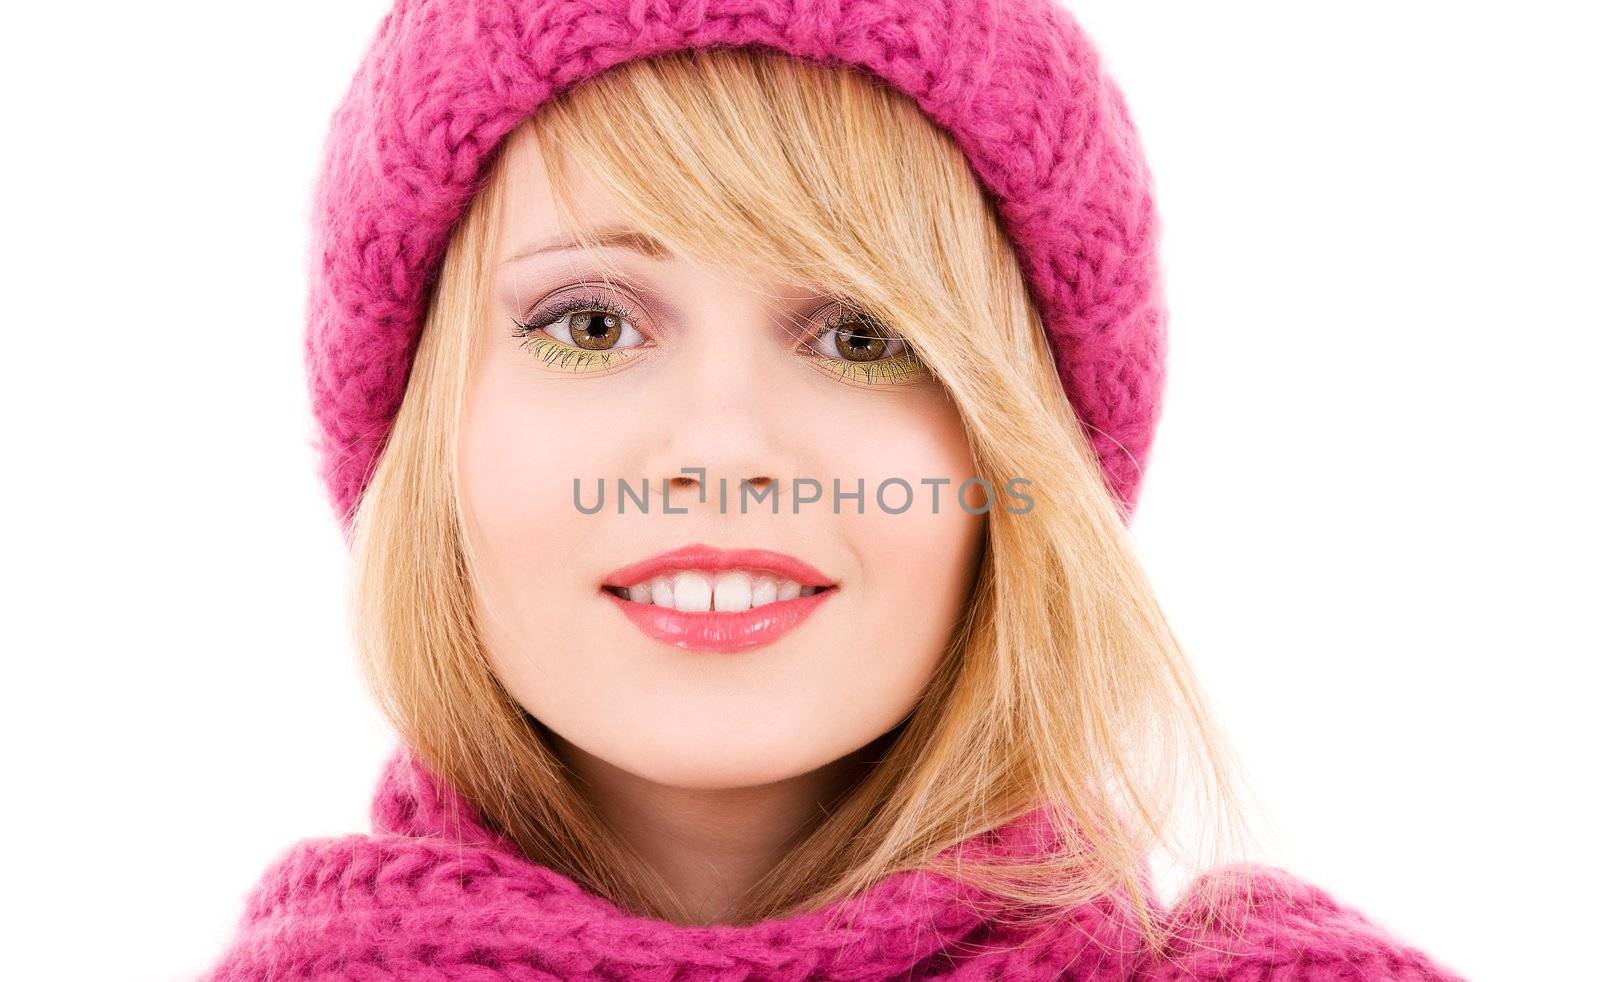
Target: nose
x=712 y=443
x=694 y=486
x=723 y=421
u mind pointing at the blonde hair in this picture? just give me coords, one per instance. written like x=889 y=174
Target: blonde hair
x=1063 y=687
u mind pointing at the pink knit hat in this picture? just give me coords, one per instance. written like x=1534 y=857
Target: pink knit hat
x=1015 y=82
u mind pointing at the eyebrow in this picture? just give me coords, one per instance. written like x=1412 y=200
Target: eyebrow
x=605 y=237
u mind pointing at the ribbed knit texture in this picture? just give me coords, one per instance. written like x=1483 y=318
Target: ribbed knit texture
x=1015 y=82
x=433 y=894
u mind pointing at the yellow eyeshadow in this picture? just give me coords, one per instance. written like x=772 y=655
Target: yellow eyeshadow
x=902 y=369
x=569 y=359
x=899 y=370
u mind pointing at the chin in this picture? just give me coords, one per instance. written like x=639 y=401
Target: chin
x=712 y=763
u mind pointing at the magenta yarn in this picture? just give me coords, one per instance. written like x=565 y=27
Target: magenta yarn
x=433 y=895
x=1015 y=82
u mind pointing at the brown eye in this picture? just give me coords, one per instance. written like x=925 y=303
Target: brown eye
x=857 y=337
x=860 y=342
x=587 y=323
x=594 y=330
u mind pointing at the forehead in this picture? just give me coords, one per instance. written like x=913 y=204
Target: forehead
x=529 y=212
x=529 y=221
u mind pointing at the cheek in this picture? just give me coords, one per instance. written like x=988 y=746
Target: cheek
x=916 y=567
x=512 y=462
x=518 y=456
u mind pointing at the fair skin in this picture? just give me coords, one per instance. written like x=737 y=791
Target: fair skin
x=707 y=763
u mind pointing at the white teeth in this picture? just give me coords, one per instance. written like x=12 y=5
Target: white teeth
x=729 y=590
x=691 y=591
x=764 y=592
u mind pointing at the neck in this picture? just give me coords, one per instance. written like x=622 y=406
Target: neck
x=710 y=845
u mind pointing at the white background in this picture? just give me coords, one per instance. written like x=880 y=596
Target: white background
x=1369 y=513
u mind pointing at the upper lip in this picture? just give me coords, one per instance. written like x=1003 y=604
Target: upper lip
x=699 y=556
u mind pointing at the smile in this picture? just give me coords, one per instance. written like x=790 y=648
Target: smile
x=702 y=598
x=701 y=590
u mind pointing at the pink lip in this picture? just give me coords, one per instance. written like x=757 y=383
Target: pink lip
x=720 y=630
x=697 y=556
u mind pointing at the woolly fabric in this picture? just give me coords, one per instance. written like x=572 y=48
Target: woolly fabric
x=433 y=894
x=1014 y=82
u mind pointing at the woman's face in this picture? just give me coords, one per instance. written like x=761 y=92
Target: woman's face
x=704 y=368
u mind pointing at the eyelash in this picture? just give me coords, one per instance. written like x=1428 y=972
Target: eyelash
x=899 y=369
x=558 y=353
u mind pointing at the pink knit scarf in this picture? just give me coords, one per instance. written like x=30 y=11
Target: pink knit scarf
x=433 y=894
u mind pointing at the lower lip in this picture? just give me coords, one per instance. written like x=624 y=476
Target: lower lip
x=721 y=630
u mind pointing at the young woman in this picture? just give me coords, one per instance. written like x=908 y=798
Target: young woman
x=736 y=410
